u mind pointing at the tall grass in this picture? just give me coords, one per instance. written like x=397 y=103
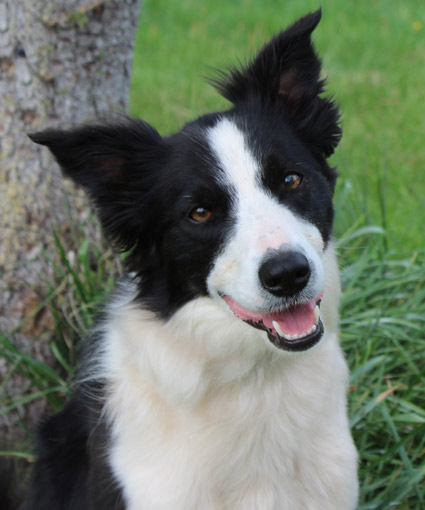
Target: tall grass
x=382 y=333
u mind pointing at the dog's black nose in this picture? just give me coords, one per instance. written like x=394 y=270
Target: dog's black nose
x=284 y=274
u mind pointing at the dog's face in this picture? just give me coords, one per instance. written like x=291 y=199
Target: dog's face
x=237 y=206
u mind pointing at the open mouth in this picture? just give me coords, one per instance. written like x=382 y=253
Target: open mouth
x=296 y=328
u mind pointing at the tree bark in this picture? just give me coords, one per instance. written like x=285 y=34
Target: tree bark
x=62 y=62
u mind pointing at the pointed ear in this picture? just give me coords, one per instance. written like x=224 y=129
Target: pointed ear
x=286 y=74
x=118 y=165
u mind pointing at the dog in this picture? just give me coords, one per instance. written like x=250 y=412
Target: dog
x=214 y=379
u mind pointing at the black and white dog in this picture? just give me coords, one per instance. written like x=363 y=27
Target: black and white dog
x=214 y=380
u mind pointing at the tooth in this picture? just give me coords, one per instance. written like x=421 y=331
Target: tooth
x=278 y=329
x=316 y=314
x=281 y=333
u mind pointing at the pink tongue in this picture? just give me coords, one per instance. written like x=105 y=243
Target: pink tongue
x=293 y=321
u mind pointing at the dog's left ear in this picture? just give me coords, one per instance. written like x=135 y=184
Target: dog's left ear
x=286 y=74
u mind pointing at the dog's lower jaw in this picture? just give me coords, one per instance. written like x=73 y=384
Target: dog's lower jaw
x=298 y=345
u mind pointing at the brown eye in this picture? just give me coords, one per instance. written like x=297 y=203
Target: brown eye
x=200 y=214
x=292 y=181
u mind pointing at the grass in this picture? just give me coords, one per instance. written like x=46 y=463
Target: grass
x=382 y=333
x=373 y=54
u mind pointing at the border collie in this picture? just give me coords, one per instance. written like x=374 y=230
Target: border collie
x=214 y=380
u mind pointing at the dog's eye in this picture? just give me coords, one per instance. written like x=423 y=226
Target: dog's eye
x=200 y=214
x=292 y=181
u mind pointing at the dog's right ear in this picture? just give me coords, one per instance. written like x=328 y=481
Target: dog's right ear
x=118 y=165
x=286 y=75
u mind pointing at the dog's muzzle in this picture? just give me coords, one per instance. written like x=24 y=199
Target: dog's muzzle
x=295 y=327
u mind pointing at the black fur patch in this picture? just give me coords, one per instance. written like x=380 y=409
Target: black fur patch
x=72 y=472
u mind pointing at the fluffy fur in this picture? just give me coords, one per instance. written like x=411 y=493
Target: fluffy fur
x=210 y=382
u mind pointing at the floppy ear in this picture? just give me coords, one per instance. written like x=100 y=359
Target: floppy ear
x=286 y=74
x=118 y=165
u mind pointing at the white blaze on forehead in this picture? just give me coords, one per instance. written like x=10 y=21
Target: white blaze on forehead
x=266 y=220
x=235 y=158
x=262 y=223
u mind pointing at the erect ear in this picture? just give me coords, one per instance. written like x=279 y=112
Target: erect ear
x=118 y=165
x=286 y=75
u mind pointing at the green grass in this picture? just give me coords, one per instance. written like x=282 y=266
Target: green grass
x=374 y=58
x=382 y=333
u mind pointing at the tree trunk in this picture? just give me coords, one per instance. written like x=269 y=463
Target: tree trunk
x=62 y=62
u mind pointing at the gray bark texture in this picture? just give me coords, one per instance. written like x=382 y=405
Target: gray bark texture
x=62 y=62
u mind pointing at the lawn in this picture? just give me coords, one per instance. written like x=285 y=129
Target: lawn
x=373 y=54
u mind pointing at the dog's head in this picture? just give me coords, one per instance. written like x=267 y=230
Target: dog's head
x=236 y=206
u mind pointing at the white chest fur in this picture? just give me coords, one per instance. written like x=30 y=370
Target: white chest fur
x=205 y=415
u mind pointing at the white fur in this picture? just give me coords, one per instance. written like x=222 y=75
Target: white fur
x=205 y=413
